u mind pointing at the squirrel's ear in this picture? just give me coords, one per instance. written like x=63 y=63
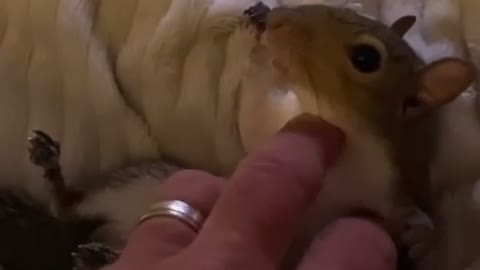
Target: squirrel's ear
x=403 y=24
x=439 y=83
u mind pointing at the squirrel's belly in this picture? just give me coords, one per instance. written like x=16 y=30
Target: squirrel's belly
x=362 y=179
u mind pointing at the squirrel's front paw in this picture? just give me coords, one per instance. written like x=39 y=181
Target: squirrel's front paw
x=93 y=256
x=258 y=15
x=419 y=240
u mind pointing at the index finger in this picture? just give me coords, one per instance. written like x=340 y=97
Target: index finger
x=271 y=191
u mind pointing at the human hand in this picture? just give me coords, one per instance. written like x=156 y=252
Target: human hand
x=252 y=217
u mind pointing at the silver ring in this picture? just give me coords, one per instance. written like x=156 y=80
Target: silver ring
x=178 y=210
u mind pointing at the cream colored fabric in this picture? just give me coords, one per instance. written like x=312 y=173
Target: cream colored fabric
x=61 y=64
x=57 y=77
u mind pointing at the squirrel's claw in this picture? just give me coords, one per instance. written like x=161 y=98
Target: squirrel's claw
x=93 y=256
x=258 y=15
x=43 y=150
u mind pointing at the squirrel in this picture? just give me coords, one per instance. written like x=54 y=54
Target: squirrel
x=389 y=95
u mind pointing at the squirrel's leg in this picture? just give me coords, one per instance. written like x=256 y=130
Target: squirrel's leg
x=45 y=152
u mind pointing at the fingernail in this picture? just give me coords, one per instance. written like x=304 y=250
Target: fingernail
x=330 y=138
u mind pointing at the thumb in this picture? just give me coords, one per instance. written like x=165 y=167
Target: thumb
x=271 y=190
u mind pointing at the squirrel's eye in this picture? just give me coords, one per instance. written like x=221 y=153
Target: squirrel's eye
x=365 y=58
